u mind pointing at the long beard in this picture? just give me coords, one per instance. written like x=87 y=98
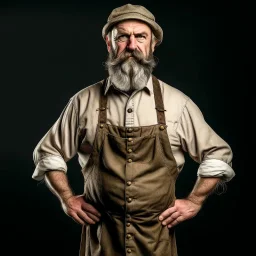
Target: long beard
x=130 y=70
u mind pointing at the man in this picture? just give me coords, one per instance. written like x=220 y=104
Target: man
x=130 y=132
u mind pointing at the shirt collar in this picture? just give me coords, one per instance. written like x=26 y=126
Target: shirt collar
x=148 y=88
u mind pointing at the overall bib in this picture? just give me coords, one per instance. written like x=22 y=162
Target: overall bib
x=130 y=178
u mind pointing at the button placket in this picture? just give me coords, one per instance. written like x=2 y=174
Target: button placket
x=128 y=192
x=129 y=149
x=129 y=115
x=129 y=241
x=129 y=161
x=129 y=133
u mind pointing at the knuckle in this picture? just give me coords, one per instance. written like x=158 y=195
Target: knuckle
x=168 y=212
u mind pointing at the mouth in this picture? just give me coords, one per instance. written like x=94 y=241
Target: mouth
x=130 y=57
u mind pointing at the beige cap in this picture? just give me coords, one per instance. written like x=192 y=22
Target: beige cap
x=138 y=12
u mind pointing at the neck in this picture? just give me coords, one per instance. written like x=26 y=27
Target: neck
x=130 y=92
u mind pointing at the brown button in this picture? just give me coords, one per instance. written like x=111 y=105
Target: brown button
x=129 y=183
x=101 y=125
x=129 y=150
x=129 y=250
x=128 y=236
x=130 y=139
x=129 y=110
x=129 y=200
x=129 y=160
x=129 y=130
x=161 y=127
x=128 y=224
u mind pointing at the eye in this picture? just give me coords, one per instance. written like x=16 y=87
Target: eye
x=122 y=38
x=140 y=38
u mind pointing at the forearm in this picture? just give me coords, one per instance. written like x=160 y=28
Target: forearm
x=57 y=182
x=202 y=189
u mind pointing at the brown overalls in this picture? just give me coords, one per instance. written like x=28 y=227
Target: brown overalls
x=130 y=178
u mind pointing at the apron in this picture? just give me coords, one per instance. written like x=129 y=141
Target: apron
x=130 y=178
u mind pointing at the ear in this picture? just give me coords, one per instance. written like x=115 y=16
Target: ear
x=108 y=43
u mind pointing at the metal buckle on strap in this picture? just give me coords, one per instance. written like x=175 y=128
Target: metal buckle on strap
x=101 y=109
x=161 y=110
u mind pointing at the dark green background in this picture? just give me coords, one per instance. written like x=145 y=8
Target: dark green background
x=49 y=51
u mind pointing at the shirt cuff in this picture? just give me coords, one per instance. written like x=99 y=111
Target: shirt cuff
x=216 y=168
x=49 y=163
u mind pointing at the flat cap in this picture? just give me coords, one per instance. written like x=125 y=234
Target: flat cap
x=137 y=12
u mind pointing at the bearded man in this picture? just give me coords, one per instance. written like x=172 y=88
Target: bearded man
x=131 y=131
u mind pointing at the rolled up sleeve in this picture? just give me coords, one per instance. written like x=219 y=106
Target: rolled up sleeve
x=204 y=145
x=58 y=145
x=216 y=168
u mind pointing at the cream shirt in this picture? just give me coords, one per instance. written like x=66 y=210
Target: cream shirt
x=188 y=131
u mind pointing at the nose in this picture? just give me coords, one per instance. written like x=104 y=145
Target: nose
x=132 y=43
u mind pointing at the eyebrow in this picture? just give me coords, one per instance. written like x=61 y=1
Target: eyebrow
x=123 y=31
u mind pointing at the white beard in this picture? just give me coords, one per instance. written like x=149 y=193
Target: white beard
x=128 y=74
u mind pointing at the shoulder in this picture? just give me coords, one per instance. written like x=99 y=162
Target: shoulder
x=173 y=93
x=175 y=101
x=88 y=91
x=85 y=96
x=86 y=100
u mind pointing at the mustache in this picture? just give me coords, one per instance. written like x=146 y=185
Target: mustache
x=125 y=55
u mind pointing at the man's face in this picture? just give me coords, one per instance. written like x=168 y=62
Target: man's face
x=132 y=35
x=130 y=61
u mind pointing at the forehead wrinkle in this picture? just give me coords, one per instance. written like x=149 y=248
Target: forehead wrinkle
x=137 y=28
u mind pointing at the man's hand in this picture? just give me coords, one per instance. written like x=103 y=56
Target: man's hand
x=80 y=211
x=188 y=208
x=73 y=206
x=182 y=210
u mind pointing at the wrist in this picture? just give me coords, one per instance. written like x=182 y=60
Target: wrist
x=199 y=200
x=64 y=196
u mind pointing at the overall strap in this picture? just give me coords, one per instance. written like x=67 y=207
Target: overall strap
x=158 y=101
x=103 y=104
